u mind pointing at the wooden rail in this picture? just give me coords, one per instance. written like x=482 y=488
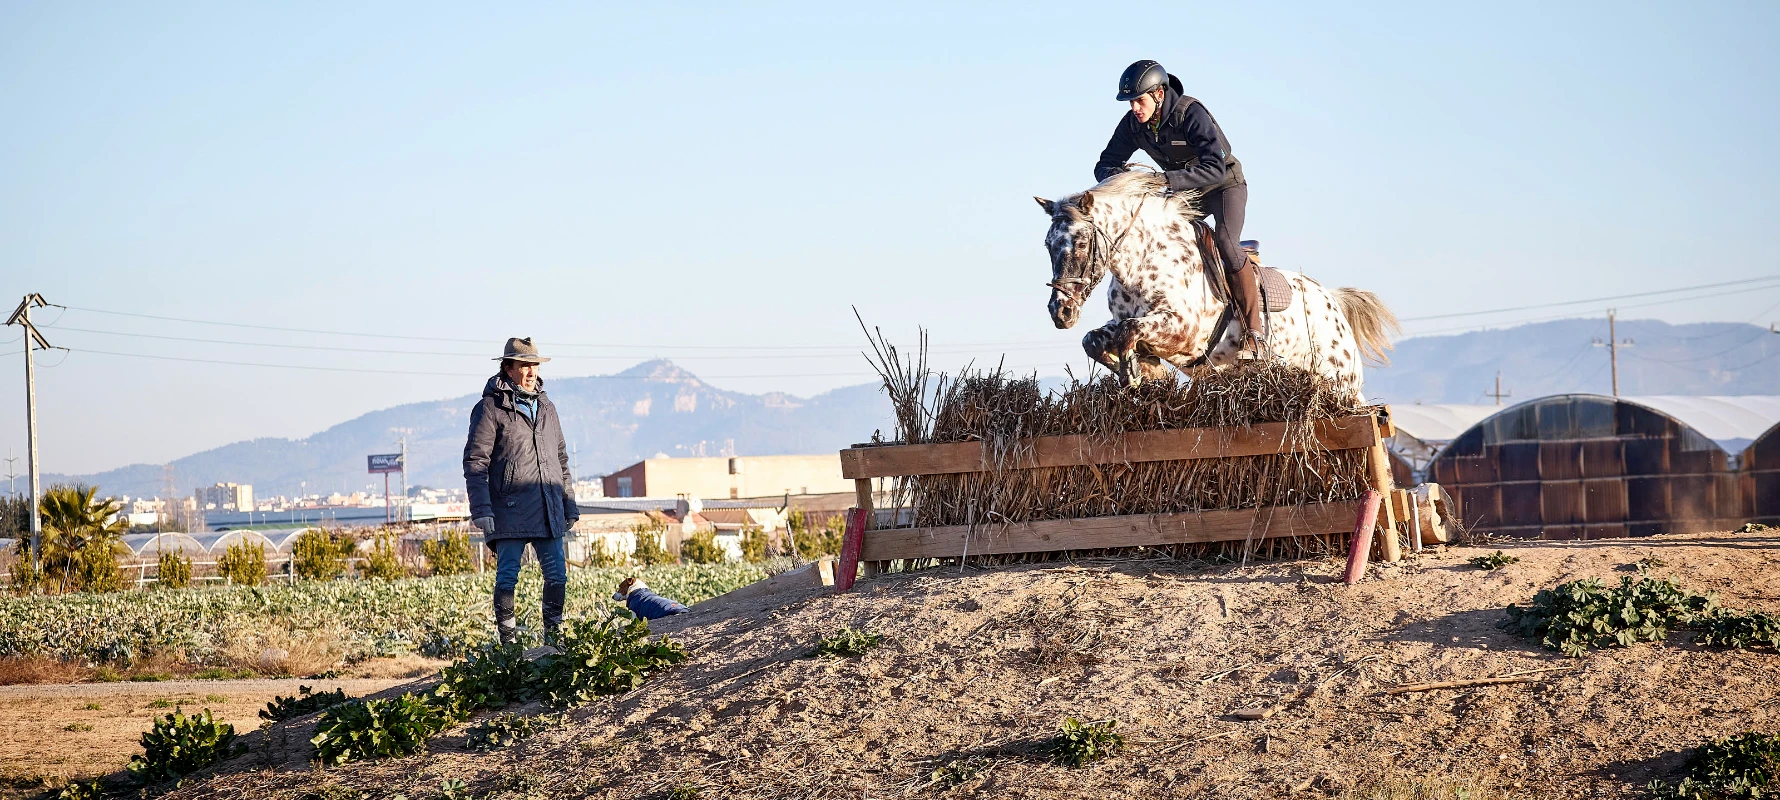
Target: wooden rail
x=1090 y=533
x=1184 y=444
x=873 y=548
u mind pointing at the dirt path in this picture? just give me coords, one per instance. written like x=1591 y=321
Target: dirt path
x=75 y=730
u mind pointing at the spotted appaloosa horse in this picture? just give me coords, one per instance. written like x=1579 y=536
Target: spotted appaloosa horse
x=1163 y=305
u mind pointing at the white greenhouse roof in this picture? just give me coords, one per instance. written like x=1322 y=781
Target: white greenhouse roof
x=1437 y=423
x=1732 y=421
x=167 y=542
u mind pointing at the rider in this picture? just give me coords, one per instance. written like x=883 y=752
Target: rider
x=1180 y=135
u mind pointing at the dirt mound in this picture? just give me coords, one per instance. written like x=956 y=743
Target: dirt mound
x=978 y=669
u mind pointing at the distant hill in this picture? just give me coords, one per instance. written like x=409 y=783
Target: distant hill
x=656 y=407
x=611 y=421
x=1556 y=357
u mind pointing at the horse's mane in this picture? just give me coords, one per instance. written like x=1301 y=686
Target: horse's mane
x=1140 y=182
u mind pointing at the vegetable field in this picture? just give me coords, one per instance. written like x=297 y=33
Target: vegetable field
x=438 y=617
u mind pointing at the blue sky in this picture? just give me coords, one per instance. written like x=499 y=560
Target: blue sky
x=646 y=180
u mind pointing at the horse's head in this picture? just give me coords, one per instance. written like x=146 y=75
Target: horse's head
x=1076 y=265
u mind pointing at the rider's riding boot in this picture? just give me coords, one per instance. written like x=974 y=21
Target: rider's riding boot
x=1246 y=285
x=504 y=623
x=553 y=601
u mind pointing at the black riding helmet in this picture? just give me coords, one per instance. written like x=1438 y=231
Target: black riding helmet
x=1140 y=78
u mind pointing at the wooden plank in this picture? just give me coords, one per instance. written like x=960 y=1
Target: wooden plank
x=1379 y=460
x=1096 y=532
x=1347 y=433
x=862 y=498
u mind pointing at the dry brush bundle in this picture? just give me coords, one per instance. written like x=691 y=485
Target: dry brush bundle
x=1005 y=412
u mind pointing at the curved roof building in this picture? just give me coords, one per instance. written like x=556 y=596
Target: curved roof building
x=1590 y=466
x=1760 y=480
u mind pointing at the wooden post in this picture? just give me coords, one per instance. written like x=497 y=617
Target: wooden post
x=1380 y=463
x=848 y=570
x=862 y=498
x=1361 y=545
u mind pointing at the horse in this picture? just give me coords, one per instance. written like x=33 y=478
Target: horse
x=1165 y=305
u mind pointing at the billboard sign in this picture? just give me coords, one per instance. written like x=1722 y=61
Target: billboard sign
x=385 y=463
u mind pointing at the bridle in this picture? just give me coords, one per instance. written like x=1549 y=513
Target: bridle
x=1071 y=285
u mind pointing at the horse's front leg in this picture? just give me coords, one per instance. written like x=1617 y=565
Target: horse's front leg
x=1137 y=343
x=1100 y=345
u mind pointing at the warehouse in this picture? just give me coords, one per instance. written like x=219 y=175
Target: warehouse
x=1589 y=466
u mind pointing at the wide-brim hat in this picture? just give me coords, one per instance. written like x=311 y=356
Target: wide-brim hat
x=522 y=350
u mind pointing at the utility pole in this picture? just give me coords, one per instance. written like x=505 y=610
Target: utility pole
x=12 y=482
x=404 y=443
x=1613 y=344
x=1498 y=393
x=22 y=318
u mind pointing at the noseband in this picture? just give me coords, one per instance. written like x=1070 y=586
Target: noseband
x=1071 y=286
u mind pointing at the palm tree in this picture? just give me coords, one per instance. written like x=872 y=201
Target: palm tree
x=81 y=539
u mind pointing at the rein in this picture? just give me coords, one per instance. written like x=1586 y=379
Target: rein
x=1070 y=286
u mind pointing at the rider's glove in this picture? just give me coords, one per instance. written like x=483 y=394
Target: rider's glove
x=486 y=524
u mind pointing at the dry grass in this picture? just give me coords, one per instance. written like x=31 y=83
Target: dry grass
x=1474 y=787
x=282 y=650
x=1005 y=412
x=25 y=670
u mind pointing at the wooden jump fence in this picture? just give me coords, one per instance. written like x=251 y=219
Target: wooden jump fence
x=873 y=545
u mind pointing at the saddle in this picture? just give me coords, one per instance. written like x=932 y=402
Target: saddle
x=1276 y=291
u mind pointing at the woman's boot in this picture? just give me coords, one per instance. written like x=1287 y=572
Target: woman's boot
x=504 y=623
x=553 y=602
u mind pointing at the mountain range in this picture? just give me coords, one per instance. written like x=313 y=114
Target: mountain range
x=656 y=407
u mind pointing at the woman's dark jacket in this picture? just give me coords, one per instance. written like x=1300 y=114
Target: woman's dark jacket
x=517 y=469
x=1186 y=143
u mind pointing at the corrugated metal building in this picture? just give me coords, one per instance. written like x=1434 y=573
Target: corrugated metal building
x=1422 y=430
x=1589 y=466
x=1760 y=480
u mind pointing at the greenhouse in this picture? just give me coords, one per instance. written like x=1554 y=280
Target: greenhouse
x=1589 y=466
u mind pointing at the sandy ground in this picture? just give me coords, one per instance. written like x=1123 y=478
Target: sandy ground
x=978 y=669
x=52 y=732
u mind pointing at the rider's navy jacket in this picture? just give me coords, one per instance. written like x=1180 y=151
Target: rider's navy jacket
x=1186 y=143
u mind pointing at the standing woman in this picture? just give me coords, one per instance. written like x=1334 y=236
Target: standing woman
x=1180 y=135
x=516 y=470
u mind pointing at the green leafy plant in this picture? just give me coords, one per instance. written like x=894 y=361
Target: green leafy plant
x=319 y=555
x=304 y=703
x=1494 y=561
x=243 y=563
x=77 y=727
x=1753 y=527
x=684 y=791
x=180 y=745
x=651 y=548
x=846 y=644
x=505 y=730
x=1746 y=765
x=1649 y=563
x=814 y=541
x=75 y=790
x=383 y=562
x=489 y=678
x=1738 y=630
x=958 y=772
x=756 y=545
x=80 y=544
x=702 y=548
x=1581 y=614
x=447 y=555
x=174 y=571
x=223 y=674
x=453 y=789
x=603 y=657
x=366 y=729
x=603 y=557
x=1078 y=743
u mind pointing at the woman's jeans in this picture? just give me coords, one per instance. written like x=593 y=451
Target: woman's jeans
x=508 y=553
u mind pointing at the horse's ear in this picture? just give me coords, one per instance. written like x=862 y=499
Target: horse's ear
x=1048 y=206
x=1086 y=203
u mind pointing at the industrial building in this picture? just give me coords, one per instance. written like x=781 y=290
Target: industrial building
x=741 y=476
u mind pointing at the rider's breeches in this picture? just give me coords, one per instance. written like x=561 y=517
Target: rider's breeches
x=1227 y=207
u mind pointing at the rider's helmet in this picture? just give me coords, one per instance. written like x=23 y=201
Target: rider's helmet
x=1139 y=78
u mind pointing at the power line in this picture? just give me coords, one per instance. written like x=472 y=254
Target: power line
x=1570 y=315
x=421 y=372
x=1592 y=299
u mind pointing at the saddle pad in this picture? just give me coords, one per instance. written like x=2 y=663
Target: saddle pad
x=1276 y=288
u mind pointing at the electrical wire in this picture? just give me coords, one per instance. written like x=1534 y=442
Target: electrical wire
x=1592 y=299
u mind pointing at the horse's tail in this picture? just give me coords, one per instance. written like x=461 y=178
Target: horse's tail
x=1373 y=324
